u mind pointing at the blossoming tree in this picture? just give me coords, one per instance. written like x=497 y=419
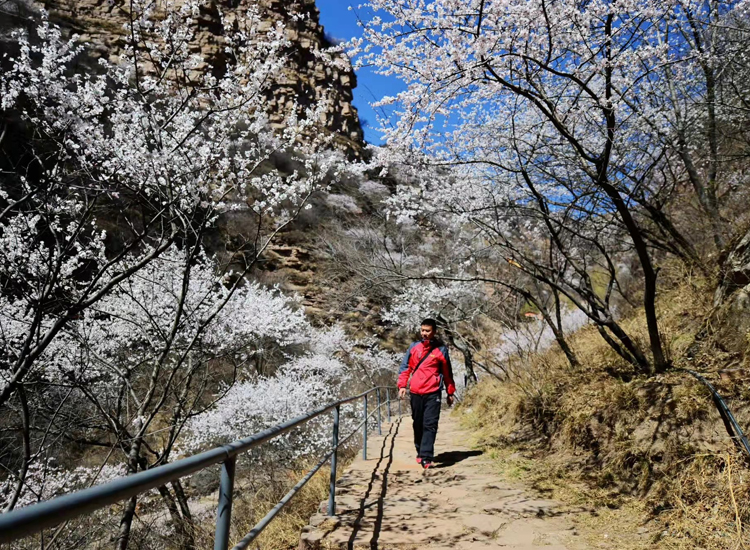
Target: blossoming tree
x=113 y=318
x=550 y=110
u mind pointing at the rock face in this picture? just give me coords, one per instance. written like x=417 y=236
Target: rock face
x=732 y=299
x=293 y=262
x=736 y=269
x=310 y=74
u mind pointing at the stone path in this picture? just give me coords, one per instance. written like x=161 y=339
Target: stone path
x=389 y=502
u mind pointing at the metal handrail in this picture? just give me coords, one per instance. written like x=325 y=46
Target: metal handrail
x=258 y=528
x=37 y=517
x=730 y=423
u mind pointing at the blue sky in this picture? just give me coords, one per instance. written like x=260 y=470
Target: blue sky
x=341 y=23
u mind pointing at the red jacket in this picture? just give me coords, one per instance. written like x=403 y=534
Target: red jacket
x=434 y=372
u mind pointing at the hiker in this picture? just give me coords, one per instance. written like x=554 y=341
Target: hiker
x=426 y=369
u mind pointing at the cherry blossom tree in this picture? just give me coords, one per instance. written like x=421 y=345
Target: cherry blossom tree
x=112 y=316
x=331 y=365
x=457 y=306
x=549 y=107
x=128 y=142
x=693 y=103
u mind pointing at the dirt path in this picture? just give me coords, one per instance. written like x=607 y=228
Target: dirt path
x=389 y=502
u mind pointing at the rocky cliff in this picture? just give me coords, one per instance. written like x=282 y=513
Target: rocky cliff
x=295 y=260
x=310 y=73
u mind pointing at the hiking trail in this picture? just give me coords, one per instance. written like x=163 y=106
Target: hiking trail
x=462 y=503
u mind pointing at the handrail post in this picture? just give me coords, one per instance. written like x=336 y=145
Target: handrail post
x=388 y=400
x=224 y=511
x=332 y=495
x=380 y=429
x=364 y=433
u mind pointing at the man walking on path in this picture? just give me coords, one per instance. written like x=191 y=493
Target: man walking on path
x=426 y=369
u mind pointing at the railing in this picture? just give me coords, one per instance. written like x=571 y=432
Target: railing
x=730 y=423
x=35 y=518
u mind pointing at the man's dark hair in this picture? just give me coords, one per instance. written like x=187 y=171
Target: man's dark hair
x=429 y=323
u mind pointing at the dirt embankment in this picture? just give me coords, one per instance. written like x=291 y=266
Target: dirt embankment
x=654 y=447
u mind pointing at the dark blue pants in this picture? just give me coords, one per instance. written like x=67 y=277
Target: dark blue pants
x=425 y=413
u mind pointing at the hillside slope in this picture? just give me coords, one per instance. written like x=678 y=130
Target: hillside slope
x=654 y=448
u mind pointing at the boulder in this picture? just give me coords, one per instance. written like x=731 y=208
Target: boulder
x=735 y=270
x=732 y=301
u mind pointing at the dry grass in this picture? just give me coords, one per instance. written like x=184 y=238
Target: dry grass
x=642 y=453
x=708 y=504
x=251 y=503
x=283 y=533
x=255 y=498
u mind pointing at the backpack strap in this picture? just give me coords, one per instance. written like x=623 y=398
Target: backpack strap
x=426 y=355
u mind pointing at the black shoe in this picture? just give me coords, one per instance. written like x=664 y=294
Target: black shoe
x=426 y=463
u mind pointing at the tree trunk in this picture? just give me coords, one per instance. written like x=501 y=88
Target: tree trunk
x=649 y=273
x=706 y=196
x=181 y=516
x=617 y=347
x=711 y=201
x=640 y=360
x=470 y=375
x=649 y=283
x=566 y=349
x=182 y=527
x=126 y=518
x=187 y=516
x=556 y=328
